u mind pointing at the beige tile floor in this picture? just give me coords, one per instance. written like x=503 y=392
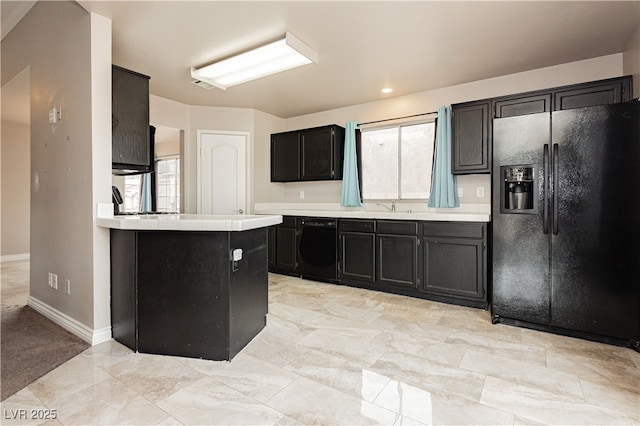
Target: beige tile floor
x=338 y=355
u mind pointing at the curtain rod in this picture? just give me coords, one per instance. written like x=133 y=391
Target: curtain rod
x=398 y=118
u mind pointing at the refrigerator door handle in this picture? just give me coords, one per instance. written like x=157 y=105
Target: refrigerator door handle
x=545 y=183
x=555 y=189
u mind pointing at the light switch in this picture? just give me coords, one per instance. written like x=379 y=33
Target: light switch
x=53 y=116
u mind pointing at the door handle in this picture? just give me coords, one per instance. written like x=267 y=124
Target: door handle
x=240 y=211
x=545 y=188
x=555 y=188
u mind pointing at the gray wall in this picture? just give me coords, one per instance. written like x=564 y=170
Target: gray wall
x=68 y=52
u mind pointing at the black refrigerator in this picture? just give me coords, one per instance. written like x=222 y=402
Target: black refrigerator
x=566 y=222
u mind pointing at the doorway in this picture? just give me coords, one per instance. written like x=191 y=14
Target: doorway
x=222 y=170
x=15 y=181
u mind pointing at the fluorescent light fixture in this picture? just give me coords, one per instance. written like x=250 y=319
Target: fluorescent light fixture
x=287 y=53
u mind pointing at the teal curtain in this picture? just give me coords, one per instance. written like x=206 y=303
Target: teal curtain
x=350 y=185
x=443 y=183
x=145 y=196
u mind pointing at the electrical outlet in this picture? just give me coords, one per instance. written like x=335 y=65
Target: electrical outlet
x=301 y=195
x=460 y=192
x=54 y=281
x=480 y=191
x=50 y=279
x=67 y=286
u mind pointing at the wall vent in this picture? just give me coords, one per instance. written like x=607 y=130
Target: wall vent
x=202 y=84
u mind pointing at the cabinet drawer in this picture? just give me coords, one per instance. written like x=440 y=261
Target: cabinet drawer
x=396 y=227
x=288 y=222
x=357 y=225
x=453 y=229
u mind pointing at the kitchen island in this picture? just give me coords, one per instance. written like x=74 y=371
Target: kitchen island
x=188 y=285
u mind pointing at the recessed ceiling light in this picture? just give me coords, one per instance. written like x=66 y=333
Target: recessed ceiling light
x=387 y=90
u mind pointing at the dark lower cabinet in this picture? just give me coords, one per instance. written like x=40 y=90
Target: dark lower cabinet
x=271 y=247
x=357 y=251
x=453 y=267
x=454 y=260
x=443 y=261
x=397 y=260
x=178 y=293
x=283 y=246
x=397 y=253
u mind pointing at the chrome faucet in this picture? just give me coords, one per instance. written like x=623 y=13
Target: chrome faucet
x=392 y=209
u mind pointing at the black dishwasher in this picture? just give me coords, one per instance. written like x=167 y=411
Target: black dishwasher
x=318 y=249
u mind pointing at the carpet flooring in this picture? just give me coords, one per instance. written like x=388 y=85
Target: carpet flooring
x=31 y=346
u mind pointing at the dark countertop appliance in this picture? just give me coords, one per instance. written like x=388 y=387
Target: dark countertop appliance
x=566 y=222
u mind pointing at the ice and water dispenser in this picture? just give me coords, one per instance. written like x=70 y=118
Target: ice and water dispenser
x=518 y=189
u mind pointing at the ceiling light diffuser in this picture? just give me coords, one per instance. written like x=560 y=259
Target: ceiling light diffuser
x=287 y=53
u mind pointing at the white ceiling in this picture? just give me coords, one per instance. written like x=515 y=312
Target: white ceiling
x=363 y=46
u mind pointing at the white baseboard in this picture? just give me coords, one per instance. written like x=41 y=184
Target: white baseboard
x=14 y=257
x=87 y=334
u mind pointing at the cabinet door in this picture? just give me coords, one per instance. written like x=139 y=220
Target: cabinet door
x=124 y=320
x=131 y=144
x=285 y=154
x=592 y=94
x=522 y=105
x=287 y=249
x=317 y=156
x=357 y=256
x=271 y=246
x=397 y=257
x=453 y=267
x=471 y=128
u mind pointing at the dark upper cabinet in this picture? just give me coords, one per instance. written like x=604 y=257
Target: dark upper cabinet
x=307 y=155
x=322 y=152
x=285 y=157
x=522 y=105
x=454 y=259
x=131 y=141
x=472 y=121
x=471 y=126
x=357 y=250
x=602 y=92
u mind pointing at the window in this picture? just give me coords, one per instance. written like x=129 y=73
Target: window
x=168 y=185
x=132 y=185
x=397 y=162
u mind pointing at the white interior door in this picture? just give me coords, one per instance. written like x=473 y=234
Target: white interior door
x=222 y=173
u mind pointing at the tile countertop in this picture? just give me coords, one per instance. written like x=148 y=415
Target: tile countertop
x=465 y=213
x=183 y=222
